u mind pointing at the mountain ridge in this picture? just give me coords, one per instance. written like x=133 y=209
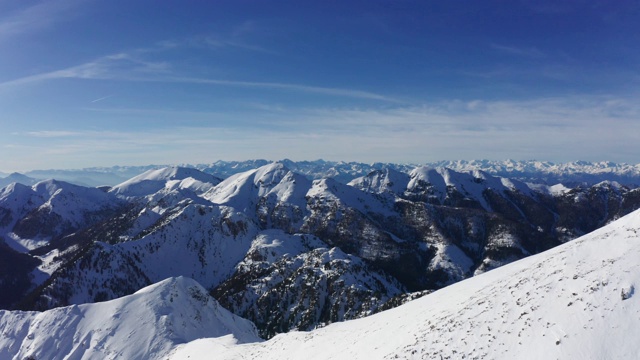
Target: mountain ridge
x=546 y=172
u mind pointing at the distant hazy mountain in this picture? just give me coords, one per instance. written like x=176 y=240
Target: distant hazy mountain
x=541 y=172
x=17 y=178
x=571 y=173
x=93 y=176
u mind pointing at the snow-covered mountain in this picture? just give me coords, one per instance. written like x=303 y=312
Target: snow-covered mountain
x=35 y=225
x=17 y=178
x=545 y=172
x=96 y=176
x=570 y=173
x=145 y=325
x=577 y=301
x=302 y=252
x=154 y=180
x=31 y=217
x=319 y=169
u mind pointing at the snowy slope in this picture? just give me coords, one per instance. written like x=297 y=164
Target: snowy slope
x=274 y=180
x=379 y=181
x=31 y=216
x=576 y=301
x=329 y=191
x=574 y=172
x=145 y=325
x=203 y=243
x=17 y=178
x=437 y=184
x=152 y=181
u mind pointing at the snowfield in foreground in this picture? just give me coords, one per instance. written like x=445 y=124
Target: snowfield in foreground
x=576 y=301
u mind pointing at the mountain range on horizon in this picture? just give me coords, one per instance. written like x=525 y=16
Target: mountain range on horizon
x=545 y=172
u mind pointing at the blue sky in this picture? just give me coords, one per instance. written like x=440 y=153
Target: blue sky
x=99 y=83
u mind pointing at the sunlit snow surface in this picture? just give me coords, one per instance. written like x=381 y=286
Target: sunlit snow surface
x=144 y=325
x=577 y=301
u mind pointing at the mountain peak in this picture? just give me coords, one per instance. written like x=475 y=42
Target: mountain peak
x=152 y=181
x=241 y=190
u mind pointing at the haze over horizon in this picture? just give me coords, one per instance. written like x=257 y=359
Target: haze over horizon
x=86 y=83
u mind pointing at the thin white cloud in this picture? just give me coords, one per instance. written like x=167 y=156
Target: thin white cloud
x=236 y=38
x=53 y=133
x=156 y=112
x=529 y=52
x=454 y=117
x=116 y=66
x=102 y=98
x=285 y=86
x=128 y=67
x=556 y=129
x=217 y=42
x=36 y=17
x=98 y=69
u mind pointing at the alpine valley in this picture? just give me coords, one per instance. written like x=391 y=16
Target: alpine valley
x=236 y=254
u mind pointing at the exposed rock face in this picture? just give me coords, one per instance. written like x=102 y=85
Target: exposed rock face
x=282 y=250
x=302 y=284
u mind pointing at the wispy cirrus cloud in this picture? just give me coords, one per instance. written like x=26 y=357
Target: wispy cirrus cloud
x=102 y=98
x=562 y=129
x=91 y=70
x=218 y=42
x=135 y=66
x=239 y=37
x=131 y=67
x=528 y=52
x=53 y=133
x=116 y=66
x=236 y=38
x=285 y=86
x=37 y=17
